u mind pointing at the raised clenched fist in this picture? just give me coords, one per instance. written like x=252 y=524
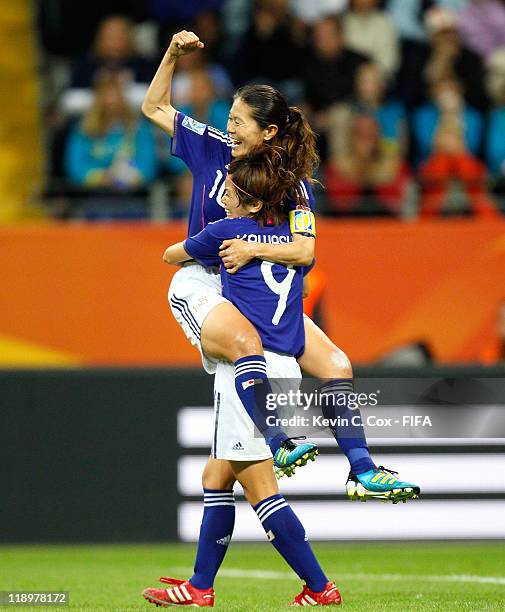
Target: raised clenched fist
x=184 y=42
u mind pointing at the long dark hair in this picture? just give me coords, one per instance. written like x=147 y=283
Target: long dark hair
x=262 y=175
x=294 y=136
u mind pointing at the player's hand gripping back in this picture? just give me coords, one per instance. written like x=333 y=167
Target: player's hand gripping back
x=237 y=253
x=157 y=104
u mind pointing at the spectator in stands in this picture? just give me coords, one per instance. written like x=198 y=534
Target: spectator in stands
x=269 y=52
x=495 y=76
x=113 y=51
x=450 y=133
x=447 y=106
x=408 y=17
x=371 y=31
x=449 y=57
x=424 y=64
x=481 y=26
x=369 y=177
x=369 y=97
x=310 y=12
x=328 y=72
x=495 y=145
x=367 y=173
x=111 y=149
x=66 y=28
x=209 y=27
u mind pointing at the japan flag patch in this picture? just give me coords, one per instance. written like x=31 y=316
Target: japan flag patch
x=247 y=383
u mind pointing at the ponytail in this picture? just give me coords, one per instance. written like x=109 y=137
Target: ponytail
x=299 y=141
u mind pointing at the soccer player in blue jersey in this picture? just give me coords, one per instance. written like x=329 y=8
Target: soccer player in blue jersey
x=211 y=322
x=270 y=295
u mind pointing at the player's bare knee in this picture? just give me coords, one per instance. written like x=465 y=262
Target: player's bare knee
x=340 y=364
x=216 y=476
x=246 y=343
x=217 y=481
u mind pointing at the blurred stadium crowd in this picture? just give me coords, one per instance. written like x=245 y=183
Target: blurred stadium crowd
x=407 y=98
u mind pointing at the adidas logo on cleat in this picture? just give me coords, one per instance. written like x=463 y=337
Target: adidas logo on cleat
x=237 y=446
x=224 y=541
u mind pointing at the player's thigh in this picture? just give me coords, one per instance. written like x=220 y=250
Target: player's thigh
x=257 y=479
x=322 y=358
x=227 y=334
x=218 y=474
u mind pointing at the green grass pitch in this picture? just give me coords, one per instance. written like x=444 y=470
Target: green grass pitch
x=373 y=577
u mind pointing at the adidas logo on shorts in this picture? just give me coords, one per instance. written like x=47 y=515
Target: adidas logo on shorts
x=224 y=541
x=237 y=446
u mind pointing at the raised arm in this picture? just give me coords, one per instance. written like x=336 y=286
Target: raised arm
x=237 y=253
x=157 y=104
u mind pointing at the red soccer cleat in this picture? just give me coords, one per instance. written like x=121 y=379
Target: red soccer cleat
x=183 y=593
x=329 y=596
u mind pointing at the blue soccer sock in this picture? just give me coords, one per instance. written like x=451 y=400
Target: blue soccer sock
x=252 y=387
x=351 y=436
x=215 y=535
x=285 y=531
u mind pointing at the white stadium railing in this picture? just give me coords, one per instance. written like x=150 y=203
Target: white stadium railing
x=462 y=482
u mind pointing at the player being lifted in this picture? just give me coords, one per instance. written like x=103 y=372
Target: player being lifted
x=259 y=115
x=270 y=295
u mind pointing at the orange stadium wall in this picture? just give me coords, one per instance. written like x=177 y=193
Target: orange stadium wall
x=88 y=295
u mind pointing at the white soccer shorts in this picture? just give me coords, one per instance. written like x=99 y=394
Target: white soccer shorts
x=234 y=432
x=193 y=293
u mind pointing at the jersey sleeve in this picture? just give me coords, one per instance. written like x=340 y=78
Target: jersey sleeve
x=307 y=190
x=197 y=143
x=308 y=200
x=204 y=247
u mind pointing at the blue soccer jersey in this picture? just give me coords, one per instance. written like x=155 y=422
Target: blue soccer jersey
x=269 y=295
x=207 y=151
